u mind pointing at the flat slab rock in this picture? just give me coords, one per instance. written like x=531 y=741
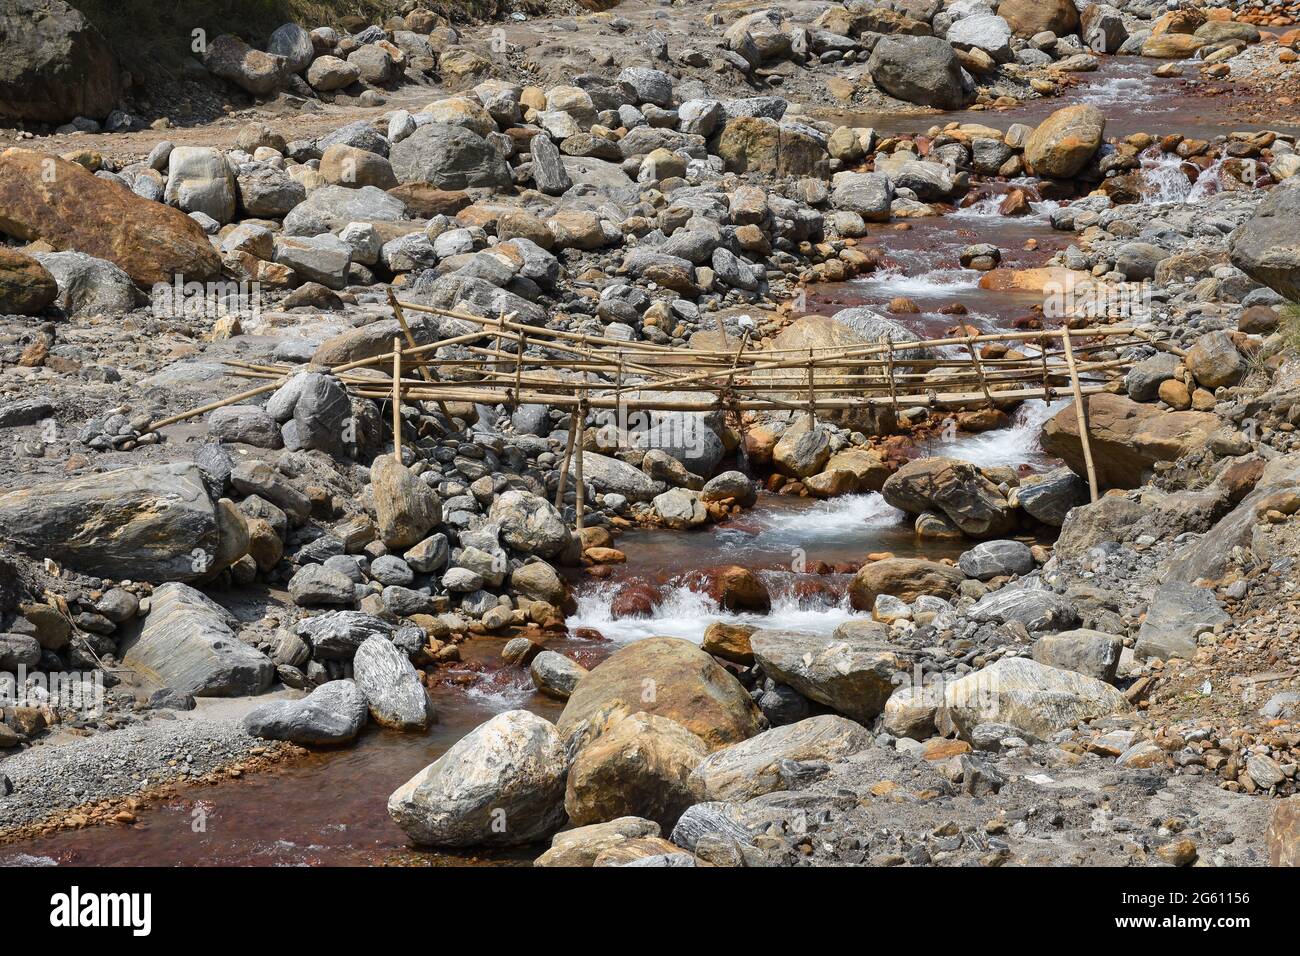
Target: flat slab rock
x=752 y=767
x=188 y=644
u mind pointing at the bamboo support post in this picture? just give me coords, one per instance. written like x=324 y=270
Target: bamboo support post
x=1081 y=412
x=568 y=457
x=580 y=487
x=397 y=400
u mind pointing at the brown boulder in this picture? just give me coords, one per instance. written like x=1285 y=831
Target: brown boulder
x=26 y=288
x=1172 y=46
x=1127 y=438
x=729 y=641
x=1063 y=143
x=957 y=489
x=44 y=197
x=1284 y=833
x=734 y=588
x=665 y=677
x=1027 y=17
x=636 y=768
x=426 y=201
x=904 y=578
x=54 y=64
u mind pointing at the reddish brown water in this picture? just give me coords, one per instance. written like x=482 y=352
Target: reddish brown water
x=1124 y=88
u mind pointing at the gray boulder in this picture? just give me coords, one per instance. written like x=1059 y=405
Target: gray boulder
x=752 y=767
x=1177 y=615
x=500 y=785
x=449 y=157
x=991 y=559
x=922 y=70
x=391 y=685
x=294 y=44
x=330 y=208
x=853 y=675
x=1050 y=496
x=155 y=520
x=54 y=64
x=1029 y=696
x=188 y=643
x=336 y=635
x=333 y=713
x=87 y=285
x=529 y=524
x=1267 y=246
x=1036 y=609
x=1086 y=651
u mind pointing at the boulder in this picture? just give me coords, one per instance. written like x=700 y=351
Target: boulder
x=255 y=72
x=581 y=845
x=71 y=209
x=903 y=578
x=188 y=643
x=611 y=476
x=958 y=489
x=314 y=585
x=529 y=524
x=850 y=673
x=1050 y=496
x=1143 y=380
x=1094 y=653
x=26 y=286
x=680 y=508
x=1214 y=361
x=1029 y=17
x=333 y=713
x=336 y=635
x=1062 y=144
x=667 y=677
x=801 y=451
x=294 y=44
x=922 y=70
x=331 y=208
x=155 y=520
x=330 y=73
x=1267 y=246
x=1177 y=615
x=1029 y=696
x=555 y=675
x=89 y=286
x=752 y=768
x=1035 y=608
x=406 y=509
x=1127 y=438
x=449 y=157
x=1283 y=835
x=992 y=34
x=54 y=64
x=991 y=559
x=870 y=195
x=391 y=685
x=638 y=767
x=500 y=785
x=200 y=180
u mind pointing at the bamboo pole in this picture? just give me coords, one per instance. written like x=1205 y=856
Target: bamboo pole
x=397 y=399
x=580 y=486
x=568 y=457
x=1081 y=412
